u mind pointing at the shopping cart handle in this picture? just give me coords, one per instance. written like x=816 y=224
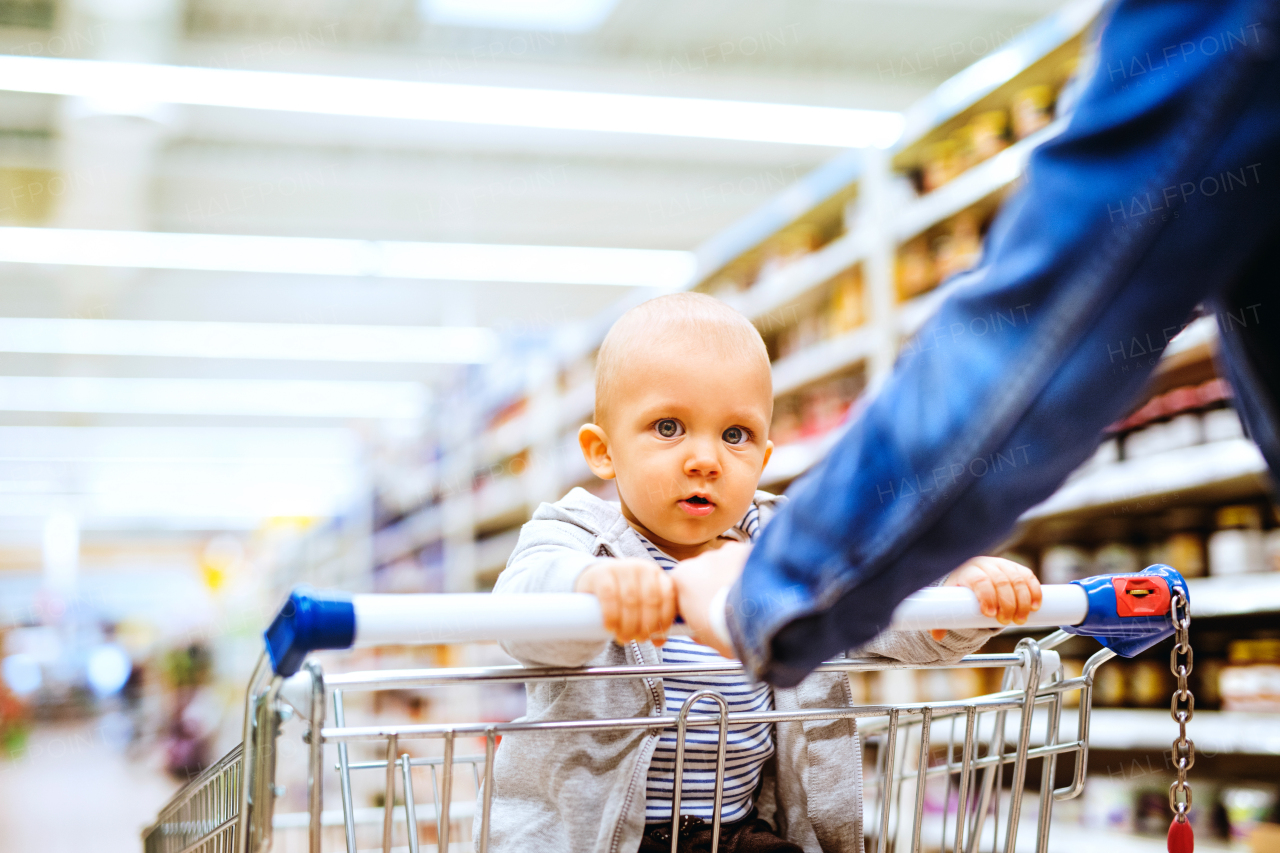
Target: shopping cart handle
x=309 y=621
x=1127 y=613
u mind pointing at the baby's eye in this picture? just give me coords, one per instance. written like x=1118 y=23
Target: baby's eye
x=735 y=435
x=669 y=428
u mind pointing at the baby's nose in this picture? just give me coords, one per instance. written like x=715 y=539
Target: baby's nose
x=703 y=463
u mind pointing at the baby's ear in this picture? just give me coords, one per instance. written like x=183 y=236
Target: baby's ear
x=595 y=449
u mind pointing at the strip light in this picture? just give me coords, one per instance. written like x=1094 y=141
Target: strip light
x=200 y=473
x=108 y=81
x=286 y=341
x=332 y=256
x=234 y=397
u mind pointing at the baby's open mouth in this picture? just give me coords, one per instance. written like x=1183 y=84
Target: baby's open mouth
x=697 y=505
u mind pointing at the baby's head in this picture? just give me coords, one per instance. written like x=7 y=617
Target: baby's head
x=684 y=397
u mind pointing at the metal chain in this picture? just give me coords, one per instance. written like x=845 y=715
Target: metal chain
x=1182 y=707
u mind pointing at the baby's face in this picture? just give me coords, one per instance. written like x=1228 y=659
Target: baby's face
x=688 y=440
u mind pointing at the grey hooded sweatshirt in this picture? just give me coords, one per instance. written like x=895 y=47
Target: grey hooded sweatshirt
x=584 y=792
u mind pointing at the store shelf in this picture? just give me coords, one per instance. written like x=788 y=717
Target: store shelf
x=506 y=440
x=913 y=313
x=1072 y=838
x=1222 y=732
x=573 y=468
x=972 y=87
x=1124 y=729
x=772 y=295
x=983 y=180
x=575 y=406
x=500 y=500
x=492 y=553
x=1222 y=469
x=791 y=460
x=1200 y=336
x=408 y=535
x=827 y=187
x=1235 y=595
x=822 y=359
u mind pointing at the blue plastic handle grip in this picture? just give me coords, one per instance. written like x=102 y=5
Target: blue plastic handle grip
x=306 y=622
x=1126 y=635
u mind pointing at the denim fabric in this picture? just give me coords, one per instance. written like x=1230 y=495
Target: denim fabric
x=1161 y=193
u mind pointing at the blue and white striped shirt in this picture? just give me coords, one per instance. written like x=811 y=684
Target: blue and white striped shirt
x=749 y=746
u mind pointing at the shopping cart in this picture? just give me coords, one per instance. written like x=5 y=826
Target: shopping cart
x=946 y=775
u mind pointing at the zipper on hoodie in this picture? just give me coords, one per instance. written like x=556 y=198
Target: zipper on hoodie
x=635 y=778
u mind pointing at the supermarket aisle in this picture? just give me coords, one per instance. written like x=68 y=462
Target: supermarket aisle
x=73 y=791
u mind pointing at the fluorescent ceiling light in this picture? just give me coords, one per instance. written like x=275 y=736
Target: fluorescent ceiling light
x=198 y=473
x=287 y=341
x=566 y=16
x=237 y=397
x=331 y=256
x=59 y=444
x=454 y=102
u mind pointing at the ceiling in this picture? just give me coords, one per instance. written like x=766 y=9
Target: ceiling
x=239 y=171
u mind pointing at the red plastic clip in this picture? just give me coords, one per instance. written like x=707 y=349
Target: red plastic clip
x=1181 y=838
x=1141 y=595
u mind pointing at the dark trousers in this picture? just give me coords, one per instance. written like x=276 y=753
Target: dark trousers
x=749 y=835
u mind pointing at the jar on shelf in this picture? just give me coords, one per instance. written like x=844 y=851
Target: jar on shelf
x=848 y=302
x=1222 y=425
x=959 y=248
x=989 y=134
x=1149 y=683
x=1032 y=109
x=916 y=272
x=1064 y=563
x=1109 y=687
x=1238 y=546
x=1183 y=545
x=1251 y=680
x=942 y=162
x=1117 y=554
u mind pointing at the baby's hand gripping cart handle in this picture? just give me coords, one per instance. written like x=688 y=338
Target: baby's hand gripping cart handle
x=1127 y=613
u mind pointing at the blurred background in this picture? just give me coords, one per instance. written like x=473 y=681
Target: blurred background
x=308 y=292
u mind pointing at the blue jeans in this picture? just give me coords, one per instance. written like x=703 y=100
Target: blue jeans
x=1162 y=192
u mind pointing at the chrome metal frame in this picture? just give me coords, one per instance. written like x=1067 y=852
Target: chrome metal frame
x=907 y=739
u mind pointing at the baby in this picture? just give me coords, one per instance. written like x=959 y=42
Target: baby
x=684 y=398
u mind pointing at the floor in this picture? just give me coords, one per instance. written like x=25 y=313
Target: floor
x=75 y=791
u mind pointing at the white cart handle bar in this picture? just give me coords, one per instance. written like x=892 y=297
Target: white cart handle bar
x=1127 y=613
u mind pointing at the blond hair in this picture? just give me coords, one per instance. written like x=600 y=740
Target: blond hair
x=673 y=320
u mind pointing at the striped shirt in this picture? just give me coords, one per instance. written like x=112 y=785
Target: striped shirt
x=749 y=746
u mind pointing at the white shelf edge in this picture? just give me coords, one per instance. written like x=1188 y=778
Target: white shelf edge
x=407 y=535
x=967 y=87
x=1227 y=732
x=492 y=552
x=1149 y=476
x=791 y=460
x=574 y=407
x=971 y=187
x=750 y=232
x=1234 y=595
x=503 y=441
x=913 y=313
x=799 y=278
x=822 y=359
x=498 y=498
x=1200 y=331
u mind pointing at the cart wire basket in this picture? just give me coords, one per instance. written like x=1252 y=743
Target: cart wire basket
x=952 y=776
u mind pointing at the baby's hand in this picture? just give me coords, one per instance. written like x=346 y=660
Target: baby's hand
x=1005 y=590
x=638 y=598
